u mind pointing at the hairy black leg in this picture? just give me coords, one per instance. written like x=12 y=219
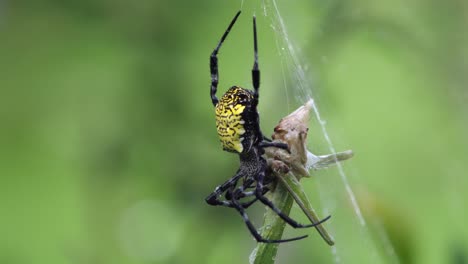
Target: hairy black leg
x=244 y=194
x=238 y=194
x=241 y=192
x=254 y=231
x=228 y=189
x=255 y=69
x=214 y=62
x=286 y=218
x=213 y=198
x=280 y=145
x=244 y=205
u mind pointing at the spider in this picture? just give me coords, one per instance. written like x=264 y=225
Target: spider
x=237 y=122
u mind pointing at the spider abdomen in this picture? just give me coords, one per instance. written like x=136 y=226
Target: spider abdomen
x=230 y=112
x=230 y=126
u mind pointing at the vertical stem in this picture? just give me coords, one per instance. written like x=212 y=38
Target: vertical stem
x=287 y=190
x=273 y=226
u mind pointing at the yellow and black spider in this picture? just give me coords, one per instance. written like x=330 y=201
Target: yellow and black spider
x=237 y=122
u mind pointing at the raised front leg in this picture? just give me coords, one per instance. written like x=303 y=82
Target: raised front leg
x=255 y=69
x=214 y=62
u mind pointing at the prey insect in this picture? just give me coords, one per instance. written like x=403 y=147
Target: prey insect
x=238 y=126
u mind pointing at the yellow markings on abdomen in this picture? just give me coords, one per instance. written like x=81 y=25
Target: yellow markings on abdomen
x=230 y=125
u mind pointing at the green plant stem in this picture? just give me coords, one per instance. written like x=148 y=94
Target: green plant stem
x=297 y=192
x=273 y=226
x=287 y=190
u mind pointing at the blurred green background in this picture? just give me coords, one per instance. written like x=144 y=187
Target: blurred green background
x=108 y=144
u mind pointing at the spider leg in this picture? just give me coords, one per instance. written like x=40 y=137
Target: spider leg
x=247 y=184
x=213 y=198
x=255 y=69
x=254 y=231
x=286 y=218
x=228 y=189
x=214 y=62
x=280 y=145
x=246 y=205
x=241 y=193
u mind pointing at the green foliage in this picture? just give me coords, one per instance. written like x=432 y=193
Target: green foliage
x=104 y=104
x=273 y=227
x=286 y=192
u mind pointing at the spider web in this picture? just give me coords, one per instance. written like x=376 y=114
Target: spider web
x=333 y=190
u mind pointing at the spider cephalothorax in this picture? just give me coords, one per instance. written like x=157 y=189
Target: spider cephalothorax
x=237 y=122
